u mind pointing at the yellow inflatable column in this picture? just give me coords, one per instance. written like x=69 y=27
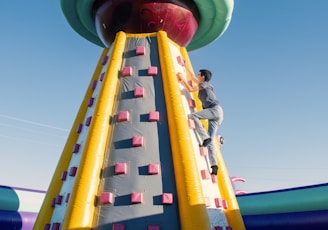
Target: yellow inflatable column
x=193 y=213
x=81 y=209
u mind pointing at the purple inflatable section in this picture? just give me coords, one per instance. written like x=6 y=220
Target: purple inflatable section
x=28 y=220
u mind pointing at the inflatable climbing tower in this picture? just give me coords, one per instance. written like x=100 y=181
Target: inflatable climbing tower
x=132 y=160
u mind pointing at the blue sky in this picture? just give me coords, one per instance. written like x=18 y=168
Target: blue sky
x=270 y=74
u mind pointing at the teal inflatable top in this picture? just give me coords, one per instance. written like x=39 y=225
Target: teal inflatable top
x=215 y=17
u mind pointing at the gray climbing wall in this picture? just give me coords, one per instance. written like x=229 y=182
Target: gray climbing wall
x=138 y=184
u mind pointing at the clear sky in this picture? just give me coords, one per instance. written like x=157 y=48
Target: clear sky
x=270 y=73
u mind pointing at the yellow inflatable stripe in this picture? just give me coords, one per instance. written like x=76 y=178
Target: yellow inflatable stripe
x=81 y=209
x=193 y=213
x=55 y=185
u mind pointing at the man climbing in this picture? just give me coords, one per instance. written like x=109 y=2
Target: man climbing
x=211 y=111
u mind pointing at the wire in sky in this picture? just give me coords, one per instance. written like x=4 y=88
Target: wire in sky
x=15 y=139
x=32 y=122
x=31 y=130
